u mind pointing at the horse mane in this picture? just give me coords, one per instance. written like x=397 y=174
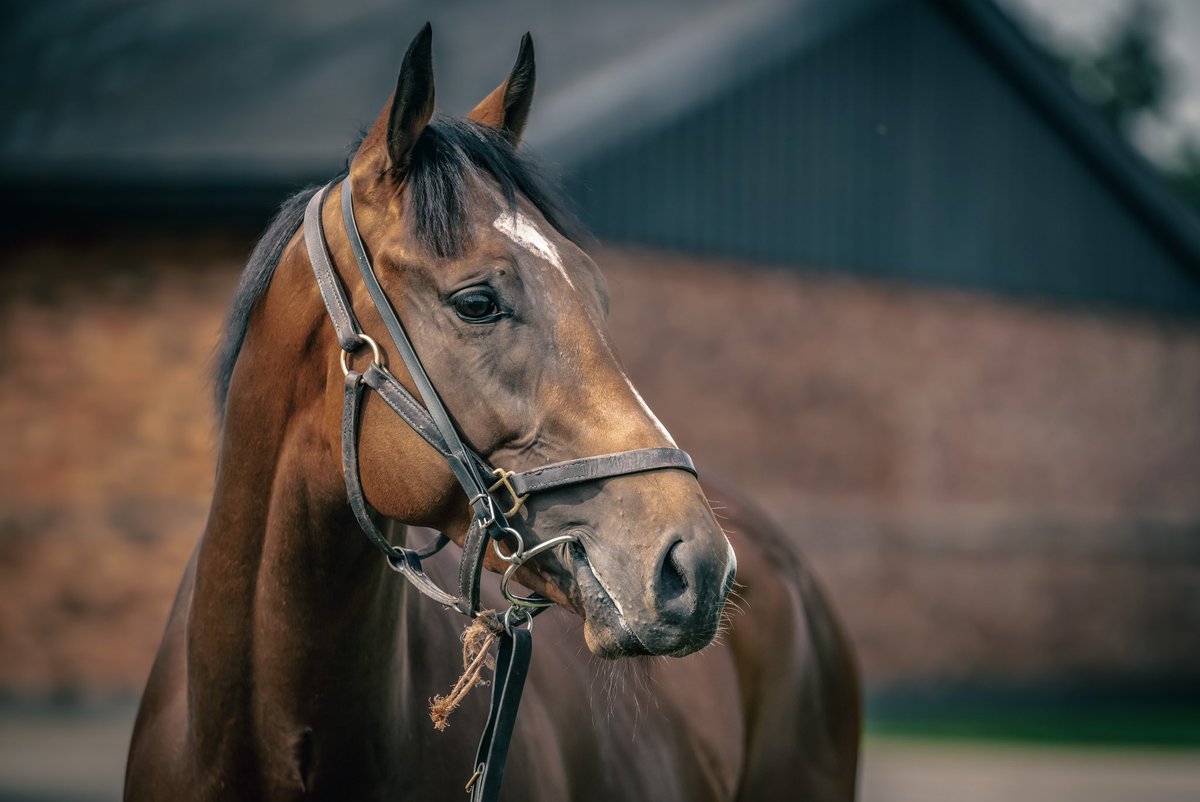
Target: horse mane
x=449 y=155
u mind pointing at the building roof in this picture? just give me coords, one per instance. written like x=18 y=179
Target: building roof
x=177 y=89
x=660 y=82
x=219 y=99
x=1111 y=156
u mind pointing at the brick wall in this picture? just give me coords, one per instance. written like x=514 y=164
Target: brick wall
x=991 y=491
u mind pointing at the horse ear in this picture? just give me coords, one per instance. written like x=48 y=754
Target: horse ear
x=412 y=105
x=507 y=107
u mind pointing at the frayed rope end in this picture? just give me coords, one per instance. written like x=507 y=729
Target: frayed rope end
x=477 y=641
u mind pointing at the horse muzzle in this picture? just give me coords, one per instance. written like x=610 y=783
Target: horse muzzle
x=665 y=600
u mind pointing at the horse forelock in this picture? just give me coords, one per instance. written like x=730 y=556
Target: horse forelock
x=450 y=154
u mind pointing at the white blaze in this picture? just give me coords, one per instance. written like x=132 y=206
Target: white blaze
x=650 y=413
x=521 y=230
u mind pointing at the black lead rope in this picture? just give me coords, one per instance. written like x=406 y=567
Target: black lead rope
x=479 y=480
x=512 y=666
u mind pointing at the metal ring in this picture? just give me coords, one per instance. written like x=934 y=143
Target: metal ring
x=397 y=561
x=525 y=602
x=376 y=354
x=521 y=611
x=518 y=555
x=546 y=545
x=519 y=558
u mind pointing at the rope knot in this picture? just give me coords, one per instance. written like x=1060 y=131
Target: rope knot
x=477 y=639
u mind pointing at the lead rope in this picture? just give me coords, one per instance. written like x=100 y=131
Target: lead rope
x=512 y=666
x=477 y=640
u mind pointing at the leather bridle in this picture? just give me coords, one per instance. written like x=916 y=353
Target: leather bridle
x=479 y=481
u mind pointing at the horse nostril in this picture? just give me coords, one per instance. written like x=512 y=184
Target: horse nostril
x=672 y=582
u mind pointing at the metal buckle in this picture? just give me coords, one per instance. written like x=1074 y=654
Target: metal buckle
x=516 y=615
x=518 y=501
x=484 y=523
x=474 y=777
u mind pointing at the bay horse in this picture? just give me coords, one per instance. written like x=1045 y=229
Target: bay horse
x=295 y=665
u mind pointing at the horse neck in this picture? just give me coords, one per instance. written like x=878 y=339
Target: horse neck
x=294 y=651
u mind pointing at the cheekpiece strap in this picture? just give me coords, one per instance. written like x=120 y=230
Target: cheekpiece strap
x=345 y=325
x=457 y=454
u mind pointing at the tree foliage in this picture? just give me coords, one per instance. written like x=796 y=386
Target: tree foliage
x=1126 y=77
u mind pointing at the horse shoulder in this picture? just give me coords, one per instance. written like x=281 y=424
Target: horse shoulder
x=157 y=752
x=797 y=676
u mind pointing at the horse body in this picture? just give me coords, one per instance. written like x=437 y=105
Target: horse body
x=295 y=665
x=771 y=712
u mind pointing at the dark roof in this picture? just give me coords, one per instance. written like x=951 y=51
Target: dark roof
x=1121 y=167
x=647 y=89
x=180 y=90
x=228 y=102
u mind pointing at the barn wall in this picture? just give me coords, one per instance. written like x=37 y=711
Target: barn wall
x=893 y=149
x=990 y=492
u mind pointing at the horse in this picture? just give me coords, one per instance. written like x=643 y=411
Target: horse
x=295 y=663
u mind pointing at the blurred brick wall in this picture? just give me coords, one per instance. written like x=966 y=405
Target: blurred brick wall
x=108 y=466
x=991 y=491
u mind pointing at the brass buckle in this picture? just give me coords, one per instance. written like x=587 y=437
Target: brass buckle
x=474 y=777
x=504 y=476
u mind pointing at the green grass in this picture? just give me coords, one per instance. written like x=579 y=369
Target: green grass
x=1155 y=725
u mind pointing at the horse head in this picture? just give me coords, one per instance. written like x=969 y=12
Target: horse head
x=508 y=315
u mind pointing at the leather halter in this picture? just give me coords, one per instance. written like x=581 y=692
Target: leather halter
x=478 y=479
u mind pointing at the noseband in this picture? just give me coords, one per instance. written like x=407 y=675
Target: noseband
x=480 y=481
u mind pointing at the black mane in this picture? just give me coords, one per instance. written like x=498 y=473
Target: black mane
x=447 y=157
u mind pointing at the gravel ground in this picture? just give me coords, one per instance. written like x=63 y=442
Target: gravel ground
x=80 y=757
x=923 y=771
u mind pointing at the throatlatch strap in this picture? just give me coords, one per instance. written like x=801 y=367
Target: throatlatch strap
x=396 y=396
x=352 y=401
x=512 y=666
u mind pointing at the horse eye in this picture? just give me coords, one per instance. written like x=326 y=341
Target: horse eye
x=476 y=305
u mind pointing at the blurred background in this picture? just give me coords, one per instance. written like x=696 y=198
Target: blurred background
x=922 y=277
